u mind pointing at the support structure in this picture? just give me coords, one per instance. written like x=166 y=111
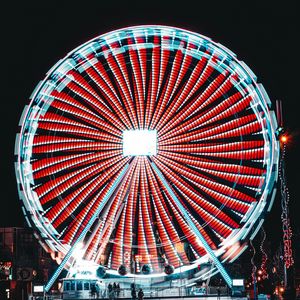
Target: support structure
x=86 y=229
x=188 y=219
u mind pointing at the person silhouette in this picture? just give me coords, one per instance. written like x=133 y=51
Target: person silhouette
x=133 y=293
x=140 y=294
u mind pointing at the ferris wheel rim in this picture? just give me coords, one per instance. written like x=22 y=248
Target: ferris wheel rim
x=271 y=175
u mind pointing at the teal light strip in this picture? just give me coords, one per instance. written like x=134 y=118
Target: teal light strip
x=85 y=230
x=194 y=228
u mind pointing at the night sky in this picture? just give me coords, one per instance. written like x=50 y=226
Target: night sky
x=35 y=36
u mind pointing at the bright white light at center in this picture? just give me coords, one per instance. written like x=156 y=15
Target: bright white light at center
x=139 y=142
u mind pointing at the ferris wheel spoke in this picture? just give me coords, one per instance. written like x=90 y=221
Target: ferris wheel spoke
x=72 y=146
x=143 y=249
x=83 y=217
x=120 y=83
x=205 y=209
x=229 y=211
x=192 y=82
x=58 y=186
x=92 y=98
x=109 y=92
x=203 y=88
x=194 y=218
x=50 y=120
x=180 y=85
x=210 y=97
x=97 y=105
x=154 y=79
x=165 y=58
x=62 y=209
x=109 y=86
x=211 y=164
x=186 y=116
x=68 y=105
x=71 y=202
x=142 y=57
x=174 y=66
x=228 y=108
x=136 y=82
x=202 y=181
x=244 y=126
x=117 y=249
x=116 y=212
x=147 y=212
x=184 y=67
x=54 y=165
x=76 y=131
x=92 y=243
x=165 y=229
x=142 y=63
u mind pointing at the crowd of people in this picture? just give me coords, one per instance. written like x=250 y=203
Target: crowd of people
x=140 y=293
x=113 y=290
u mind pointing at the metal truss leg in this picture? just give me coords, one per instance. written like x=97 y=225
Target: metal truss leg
x=188 y=219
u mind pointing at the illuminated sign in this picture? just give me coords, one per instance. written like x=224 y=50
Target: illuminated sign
x=237 y=282
x=38 y=288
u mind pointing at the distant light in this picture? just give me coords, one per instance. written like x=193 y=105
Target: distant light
x=238 y=282
x=283 y=138
x=259 y=272
x=38 y=288
x=79 y=251
x=281 y=289
x=139 y=142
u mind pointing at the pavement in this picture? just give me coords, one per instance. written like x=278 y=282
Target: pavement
x=175 y=298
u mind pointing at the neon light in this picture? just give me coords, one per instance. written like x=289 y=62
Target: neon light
x=213 y=140
x=84 y=232
x=195 y=229
x=139 y=142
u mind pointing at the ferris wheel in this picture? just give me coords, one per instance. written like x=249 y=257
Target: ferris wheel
x=149 y=144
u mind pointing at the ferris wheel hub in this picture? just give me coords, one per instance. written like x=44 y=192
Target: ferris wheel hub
x=141 y=142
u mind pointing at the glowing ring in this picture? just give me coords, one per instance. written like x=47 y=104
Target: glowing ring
x=216 y=146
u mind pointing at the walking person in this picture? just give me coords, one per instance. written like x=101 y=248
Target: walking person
x=140 y=294
x=118 y=290
x=218 y=293
x=115 y=289
x=133 y=292
x=111 y=294
x=93 y=291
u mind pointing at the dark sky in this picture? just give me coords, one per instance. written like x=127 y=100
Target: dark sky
x=35 y=36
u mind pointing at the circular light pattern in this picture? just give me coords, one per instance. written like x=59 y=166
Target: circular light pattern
x=215 y=149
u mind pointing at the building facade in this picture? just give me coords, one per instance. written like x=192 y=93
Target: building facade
x=23 y=263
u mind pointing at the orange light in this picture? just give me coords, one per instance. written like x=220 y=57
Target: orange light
x=283 y=138
x=281 y=289
x=259 y=272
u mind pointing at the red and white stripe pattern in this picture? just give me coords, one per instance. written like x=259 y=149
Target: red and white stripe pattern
x=211 y=147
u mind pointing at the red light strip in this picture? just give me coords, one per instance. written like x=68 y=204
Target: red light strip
x=210 y=148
